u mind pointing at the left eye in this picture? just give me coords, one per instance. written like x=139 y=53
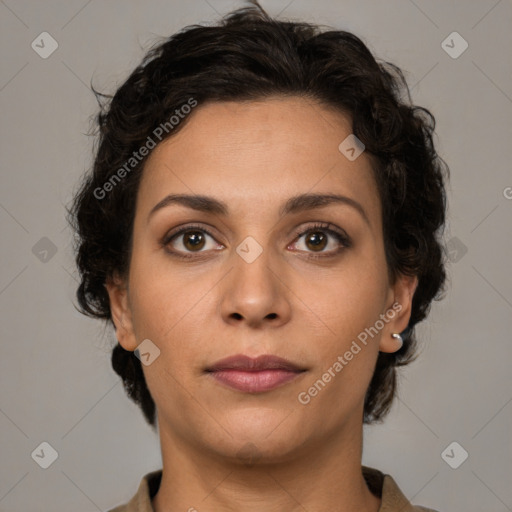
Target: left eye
x=316 y=240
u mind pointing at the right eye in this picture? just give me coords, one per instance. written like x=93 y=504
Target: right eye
x=188 y=239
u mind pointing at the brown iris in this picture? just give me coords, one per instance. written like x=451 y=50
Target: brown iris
x=193 y=240
x=318 y=240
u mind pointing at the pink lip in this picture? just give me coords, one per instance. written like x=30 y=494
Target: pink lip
x=254 y=381
x=254 y=375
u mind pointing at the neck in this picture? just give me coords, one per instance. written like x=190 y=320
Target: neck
x=316 y=478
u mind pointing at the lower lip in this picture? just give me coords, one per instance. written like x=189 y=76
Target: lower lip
x=254 y=381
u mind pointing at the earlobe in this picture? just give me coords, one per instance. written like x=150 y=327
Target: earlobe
x=121 y=314
x=403 y=293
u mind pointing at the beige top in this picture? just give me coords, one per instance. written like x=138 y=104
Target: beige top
x=383 y=486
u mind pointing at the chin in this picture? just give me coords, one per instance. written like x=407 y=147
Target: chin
x=259 y=436
x=257 y=422
x=259 y=452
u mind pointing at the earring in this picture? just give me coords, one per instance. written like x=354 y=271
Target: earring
x=399 y=338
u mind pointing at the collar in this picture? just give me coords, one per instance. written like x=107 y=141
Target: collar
x=380 y=484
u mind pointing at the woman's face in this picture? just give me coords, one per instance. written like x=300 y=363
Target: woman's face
x=244 y=282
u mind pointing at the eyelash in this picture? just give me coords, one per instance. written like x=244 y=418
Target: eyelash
x=325 y=227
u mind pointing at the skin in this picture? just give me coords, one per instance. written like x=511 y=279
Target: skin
x=223 y=449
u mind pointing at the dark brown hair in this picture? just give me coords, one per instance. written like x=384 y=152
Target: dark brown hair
x=250 y=56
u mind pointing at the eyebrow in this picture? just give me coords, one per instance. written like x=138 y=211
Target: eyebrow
x=296 y=204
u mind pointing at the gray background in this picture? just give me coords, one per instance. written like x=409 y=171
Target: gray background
x=55 y=364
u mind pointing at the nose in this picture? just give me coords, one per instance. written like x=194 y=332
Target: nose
x=256 y=293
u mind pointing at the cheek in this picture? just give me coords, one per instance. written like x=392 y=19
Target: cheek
x=344 y=365
x=346 y=302
x=345 y=307
x=164 y=296
x=169 y=309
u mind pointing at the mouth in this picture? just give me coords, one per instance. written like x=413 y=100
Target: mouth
x=254 y=375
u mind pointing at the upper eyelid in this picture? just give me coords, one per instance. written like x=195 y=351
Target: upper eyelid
x=180 y=230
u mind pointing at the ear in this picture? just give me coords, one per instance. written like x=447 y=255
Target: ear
x=399 y=311
x=121 y=312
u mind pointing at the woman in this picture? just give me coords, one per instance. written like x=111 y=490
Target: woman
x=262 y=229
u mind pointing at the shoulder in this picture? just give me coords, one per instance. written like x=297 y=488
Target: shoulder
x=141 y=501
x=392 y=498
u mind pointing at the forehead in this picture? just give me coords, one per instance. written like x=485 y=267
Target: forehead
x=255 y=155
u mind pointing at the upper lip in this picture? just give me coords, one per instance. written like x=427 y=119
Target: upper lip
x=246 y=363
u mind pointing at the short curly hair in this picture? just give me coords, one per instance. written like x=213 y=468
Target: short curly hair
x=250 y=56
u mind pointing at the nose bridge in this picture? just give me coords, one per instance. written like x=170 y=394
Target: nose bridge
x=253 y=290
x=252 y=271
